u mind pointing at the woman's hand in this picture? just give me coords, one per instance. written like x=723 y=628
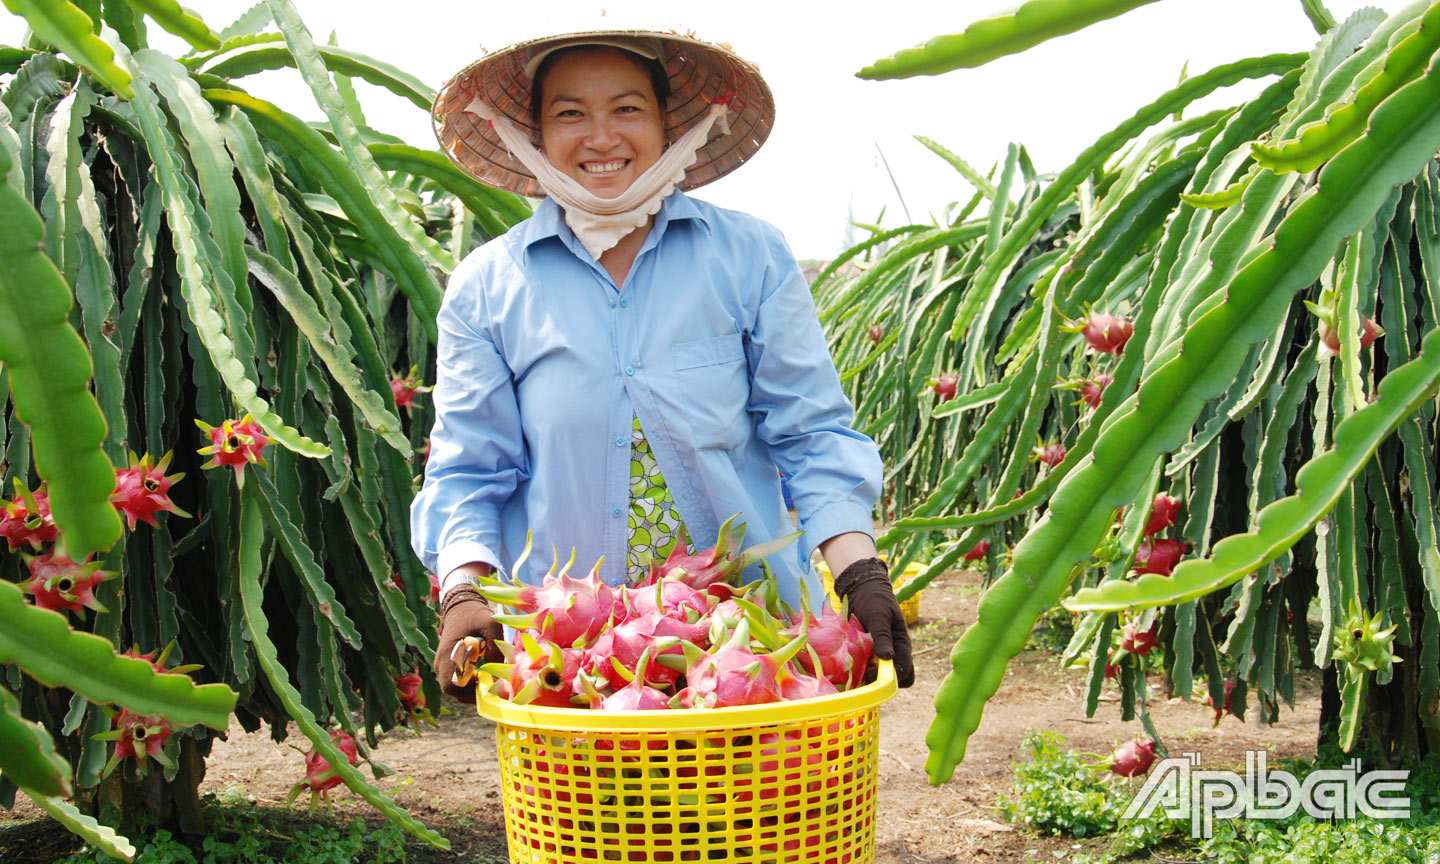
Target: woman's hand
x=872 y=601
x=464 y=613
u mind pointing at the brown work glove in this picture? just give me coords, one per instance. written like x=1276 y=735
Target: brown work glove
x=463 y=612
x=872 y=601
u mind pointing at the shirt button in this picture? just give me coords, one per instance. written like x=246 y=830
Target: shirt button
x=619 y=441
x=624 y=302
x=615 y=512
x=629 y=370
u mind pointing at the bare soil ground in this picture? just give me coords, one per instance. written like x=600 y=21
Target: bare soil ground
x=449 y=777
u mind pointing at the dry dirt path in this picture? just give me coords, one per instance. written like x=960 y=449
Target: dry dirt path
x=449 y=776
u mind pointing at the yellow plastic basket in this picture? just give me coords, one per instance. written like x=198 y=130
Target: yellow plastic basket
x=910 y=608
x=780 y=783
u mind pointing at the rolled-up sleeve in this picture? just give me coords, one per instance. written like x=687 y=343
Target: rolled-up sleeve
x=477 y=451
x=834 y=472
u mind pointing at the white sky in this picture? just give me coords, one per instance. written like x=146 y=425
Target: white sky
x=822 y=160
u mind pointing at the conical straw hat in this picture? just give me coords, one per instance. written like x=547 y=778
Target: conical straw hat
x=700 y=73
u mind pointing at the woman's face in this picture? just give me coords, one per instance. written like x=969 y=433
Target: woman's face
x=600 y=123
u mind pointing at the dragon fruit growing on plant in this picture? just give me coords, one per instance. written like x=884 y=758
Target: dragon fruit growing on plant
x=234 y=444
x=1133 y=758
x=1051 y=454
x=142 y=490
x=946 y=386
x=1159 y=555
x=1106 y=334
x=136 y=736
x=61 y=584
x=1091 y=390
x=320 y=775
x=404 y=388
x=1163 y=512
x=25 y=520
x=1136 y=641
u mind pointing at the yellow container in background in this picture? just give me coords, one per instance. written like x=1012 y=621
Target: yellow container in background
x=910 y=608
x=786 y=782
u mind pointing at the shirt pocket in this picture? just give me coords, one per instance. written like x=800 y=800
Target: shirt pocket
x=714 y=388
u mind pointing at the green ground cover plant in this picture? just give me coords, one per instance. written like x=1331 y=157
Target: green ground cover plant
x=1059 y=791
x=246 y=835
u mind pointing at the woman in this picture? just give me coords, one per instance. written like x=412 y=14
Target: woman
x=630 y=359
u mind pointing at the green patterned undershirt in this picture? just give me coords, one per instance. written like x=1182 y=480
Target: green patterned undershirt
x=654 y=521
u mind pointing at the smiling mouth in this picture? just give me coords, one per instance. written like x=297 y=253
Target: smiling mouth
x=604 y=167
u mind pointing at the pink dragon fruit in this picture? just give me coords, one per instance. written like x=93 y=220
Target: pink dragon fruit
x=399 y=582
x=734 y=675
x=1330 y=339
x=841 y=644
x=1164 y=510
x=714 y=570
x=670 y=597
x=538 y=674
x=596 y=659
x=412 y=698
x=141 y=490
x=137 y=737
x=63 y=585
x=25 y=520
x=562 y=610
x=1135 y=641
x=158 y=662
x=634 y=696
x=1107 y=333
x=1093 y=389
x=798 y=685
x=1133 y=758
x=234 y=444
x=978 y=551
x=663 y=635
x=320 y=775
x=1159 y=555
x=1221 y=711
x=406 y=387
x=1051 y=454
x=946 y=386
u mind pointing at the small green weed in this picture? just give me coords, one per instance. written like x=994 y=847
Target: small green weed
x=238 y=836
x=1057 y=793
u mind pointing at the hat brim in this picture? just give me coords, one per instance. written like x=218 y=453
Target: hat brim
x=699 y=73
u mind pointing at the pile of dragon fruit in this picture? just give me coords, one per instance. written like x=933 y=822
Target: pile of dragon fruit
x=687 y=636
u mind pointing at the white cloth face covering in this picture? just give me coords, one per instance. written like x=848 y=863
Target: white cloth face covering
x=600 y=223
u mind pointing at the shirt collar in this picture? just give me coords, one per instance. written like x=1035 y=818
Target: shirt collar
x=549 y=221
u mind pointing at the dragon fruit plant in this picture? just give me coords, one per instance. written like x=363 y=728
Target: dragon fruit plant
x=186 y=297
x=1257 y=287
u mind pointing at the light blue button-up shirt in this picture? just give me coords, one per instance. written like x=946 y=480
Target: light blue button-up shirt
x=712 y=342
